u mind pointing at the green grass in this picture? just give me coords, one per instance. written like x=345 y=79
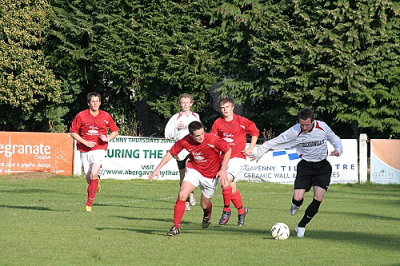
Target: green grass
x=43 y=222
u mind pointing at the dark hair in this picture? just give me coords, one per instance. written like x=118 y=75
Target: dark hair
x=305 y=114
x=226 y=99
x=93 y=94
x=195 y=125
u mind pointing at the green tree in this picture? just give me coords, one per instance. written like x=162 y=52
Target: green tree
x=339 y=57
x=30 y=94
x=136 y=53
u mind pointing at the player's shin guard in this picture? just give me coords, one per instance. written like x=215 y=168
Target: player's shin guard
x=311 y=211
x=179 y=212
x=238 y=202
x=92 y=190
x=227 y=195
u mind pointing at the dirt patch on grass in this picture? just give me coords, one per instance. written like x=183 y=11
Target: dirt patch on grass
x=32 y=175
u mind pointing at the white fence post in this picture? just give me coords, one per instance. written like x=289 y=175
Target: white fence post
x=77 y=167
x=363 y=157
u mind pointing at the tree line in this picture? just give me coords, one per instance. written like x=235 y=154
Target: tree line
x=340 y=57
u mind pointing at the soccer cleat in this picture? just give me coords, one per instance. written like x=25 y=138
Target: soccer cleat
x=206 y=222
x=300 y=231
x=294 y=209
x=187 y=207
x=225 y=217
x=98 y=187
x=88 y=208
x=174 y=231
x=241 y=217
x=192 y=199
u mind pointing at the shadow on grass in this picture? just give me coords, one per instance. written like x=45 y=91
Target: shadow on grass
x=126 y=206
x=34 y=208
x=26 y=191
x=367 y=216
x=142 y=231
x=358 y=238
x=150 y=219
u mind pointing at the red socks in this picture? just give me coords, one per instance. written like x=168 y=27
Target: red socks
x=92 y=190
x=237 y=201
x=179 y=212
x=227 y=195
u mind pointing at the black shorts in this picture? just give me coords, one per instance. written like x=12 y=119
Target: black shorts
x=313 y=174
x=182 y=164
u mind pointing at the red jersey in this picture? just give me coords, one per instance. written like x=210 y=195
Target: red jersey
x=204 y=157
x=234 y=132
x=91 y=127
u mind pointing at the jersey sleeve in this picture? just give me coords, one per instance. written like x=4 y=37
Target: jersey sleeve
x=76 y=124
x=171 y=131
x=112 y=125
x=214 y=128
x=286 y=139
x=333 y=138
x=177 y=148
x=251 y=128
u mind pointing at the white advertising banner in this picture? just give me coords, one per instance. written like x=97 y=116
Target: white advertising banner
x=385 y=161
x=279 y=166
x=137 y=157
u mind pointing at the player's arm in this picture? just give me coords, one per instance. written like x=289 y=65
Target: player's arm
x=167 y=157
x=284 y=140
x=171 y=130
x=224 y=166
x=334 y=140
x=249 y=150
x=110 y=137
x=87 y=143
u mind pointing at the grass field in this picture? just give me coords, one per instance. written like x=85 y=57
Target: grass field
x=43 y=222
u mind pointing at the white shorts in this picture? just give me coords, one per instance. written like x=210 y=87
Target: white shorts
x=235 y=166
x=91 y=157
x=207 y=185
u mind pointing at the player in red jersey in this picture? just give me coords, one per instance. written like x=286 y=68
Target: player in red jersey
x=90 y=129
x=205 y=166
x=234 y=128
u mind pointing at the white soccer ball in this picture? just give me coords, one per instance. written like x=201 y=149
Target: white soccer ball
x=280 y=231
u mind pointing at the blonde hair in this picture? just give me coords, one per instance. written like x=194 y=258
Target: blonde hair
x=185 y=95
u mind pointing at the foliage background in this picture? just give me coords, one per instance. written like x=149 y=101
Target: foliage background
x=339 y=57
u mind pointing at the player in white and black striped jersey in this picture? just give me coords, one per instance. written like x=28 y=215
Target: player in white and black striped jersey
x=309 y=137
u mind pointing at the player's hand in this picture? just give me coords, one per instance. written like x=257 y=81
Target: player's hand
x=181 y=126
x=335 y=153
x=104 y=138
x=90 y=144
x=223 y=178
x=154 y=175
x=247 y=152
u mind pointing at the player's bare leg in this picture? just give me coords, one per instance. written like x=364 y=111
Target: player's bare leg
x=207 y=206
x=191 y=201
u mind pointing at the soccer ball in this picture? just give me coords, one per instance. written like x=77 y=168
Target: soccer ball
x=280 y=231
